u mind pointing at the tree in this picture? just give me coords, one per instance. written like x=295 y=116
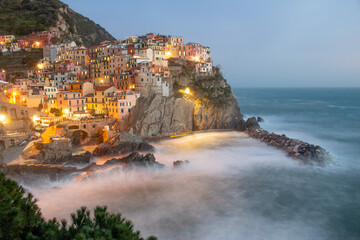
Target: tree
x=21 y=218
x=19 y=214
x=55 y=111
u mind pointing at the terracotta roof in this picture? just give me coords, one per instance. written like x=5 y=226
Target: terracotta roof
x=102 y=88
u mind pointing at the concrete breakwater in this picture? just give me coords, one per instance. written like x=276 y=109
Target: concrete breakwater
x=306 y=152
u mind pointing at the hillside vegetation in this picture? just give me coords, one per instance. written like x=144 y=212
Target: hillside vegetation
x=22 y=17
x=20 y=61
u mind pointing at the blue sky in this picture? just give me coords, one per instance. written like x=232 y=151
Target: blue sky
x=258 y=43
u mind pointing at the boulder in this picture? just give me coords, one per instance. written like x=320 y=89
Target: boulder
x=260 y=119
x=123 y=143
x=55 y=152
x=135 y=160
x=178 y=163
x=250 y=124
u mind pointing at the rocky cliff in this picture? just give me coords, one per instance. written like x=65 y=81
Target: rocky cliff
x=209 y=103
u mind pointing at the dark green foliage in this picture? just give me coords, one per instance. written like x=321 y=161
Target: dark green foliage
x=20 y=218
x=19 y=214
x=57 y=112
x=23 y=17
x=21 y=61
x=29 y=61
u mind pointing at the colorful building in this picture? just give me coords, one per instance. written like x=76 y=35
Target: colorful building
x=70 y=103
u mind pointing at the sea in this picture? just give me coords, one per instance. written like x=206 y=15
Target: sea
x=236 y=187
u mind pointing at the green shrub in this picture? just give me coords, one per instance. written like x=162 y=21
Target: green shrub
x=20 y=218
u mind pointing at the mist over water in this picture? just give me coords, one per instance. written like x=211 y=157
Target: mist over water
x=234 y=187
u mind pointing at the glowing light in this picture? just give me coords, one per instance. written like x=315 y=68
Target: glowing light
x=37 y=44
x=66 y=111
x=40 y=66
x=186 y=91
x=196 y=59
x=168 y=54
x=13 y=99
x=2 y=119
x=5 y=91
x=35 y=119
x=3 y=70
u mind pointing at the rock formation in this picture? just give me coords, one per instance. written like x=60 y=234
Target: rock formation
x=303 y=151
x=178 y=163
x=123 y=143
x=251 y=124
x=55 y=152
x=209 y=105
x=135 y=160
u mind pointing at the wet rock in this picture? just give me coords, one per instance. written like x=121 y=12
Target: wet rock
x=251 y=124
x=55 y=152
x=121 y=144
x=80 y=159
x=295 y=148
x=134 y=160
x=178 y=163
x=260 y=119
x=87 y=153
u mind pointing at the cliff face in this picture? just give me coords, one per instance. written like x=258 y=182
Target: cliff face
x=209 y=105
x=22 y=17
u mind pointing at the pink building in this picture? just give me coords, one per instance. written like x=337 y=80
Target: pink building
x=175 y=41
x=121 y=105
x=70 y=102
x=199 y=52
x=151 y=35
x=6 y=38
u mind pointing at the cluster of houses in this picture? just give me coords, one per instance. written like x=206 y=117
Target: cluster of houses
x=75 y=81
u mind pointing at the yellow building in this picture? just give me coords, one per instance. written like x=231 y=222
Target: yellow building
x=97 y=101
x=90 y=103
x=84 y=87
x=112 y=106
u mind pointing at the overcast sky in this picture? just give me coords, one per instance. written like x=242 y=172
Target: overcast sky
x=258 y=43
